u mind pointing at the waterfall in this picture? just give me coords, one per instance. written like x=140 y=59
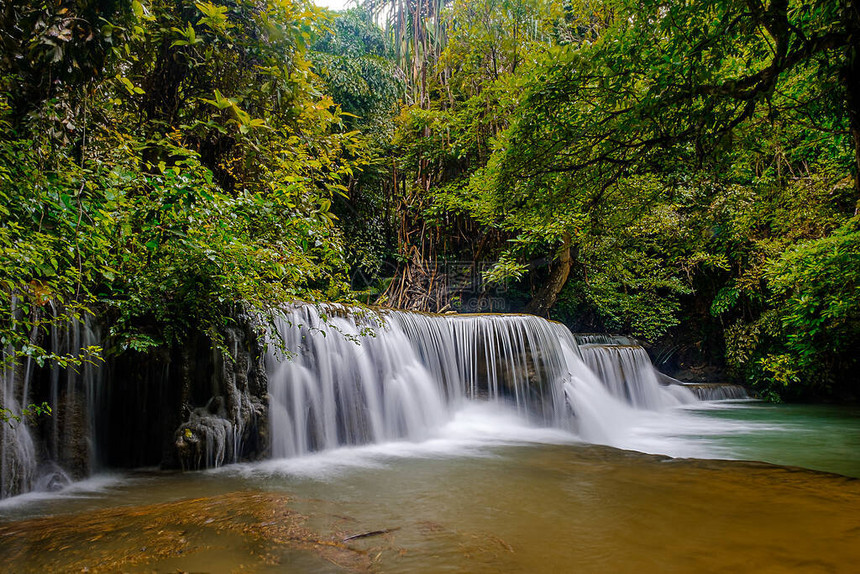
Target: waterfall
x=333 y=376
x=17 y=451
x=190 y=406
x=626 y=370
x=68 y=447
x=717 y=391
x=339 y=379
x=74 y=396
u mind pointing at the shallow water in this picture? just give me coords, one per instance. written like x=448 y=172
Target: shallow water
x=820 y=437
x=487 y=494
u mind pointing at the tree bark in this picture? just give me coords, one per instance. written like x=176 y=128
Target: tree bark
x=547 y=295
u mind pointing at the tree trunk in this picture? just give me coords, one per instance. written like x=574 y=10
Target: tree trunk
x=547 y=295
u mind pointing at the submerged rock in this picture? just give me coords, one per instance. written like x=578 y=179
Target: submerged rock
x=252 y=529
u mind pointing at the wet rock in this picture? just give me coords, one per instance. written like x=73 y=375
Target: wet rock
x=230 y=426
x=248 y=530
x=51 y=478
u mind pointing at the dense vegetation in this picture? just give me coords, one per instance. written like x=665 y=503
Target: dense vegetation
x=682 y=172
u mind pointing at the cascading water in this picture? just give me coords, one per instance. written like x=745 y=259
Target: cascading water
x=626 y=370
x=348 y=381
x=133 y=420
x=351 y=378
x=74 y=394
x=71 y=394
x=340 y=385
x=717 y=391
x=17 y=451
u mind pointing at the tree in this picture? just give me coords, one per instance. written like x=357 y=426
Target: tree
x=665 y=81
x=181 y=163
x=416 y=31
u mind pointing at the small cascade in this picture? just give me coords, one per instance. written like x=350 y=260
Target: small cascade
x=336 y=378
x=603 y=339
x=66 y=450
x=74 y=394
x=185 y=406
x=17 y=450
x=626 y=370
x=717 y=391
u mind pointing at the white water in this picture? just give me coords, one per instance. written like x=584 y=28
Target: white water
x=718 y=392
x=369 y=388
x=477 y=428
x=17 y=451
x=628 y=374
x=70 y=430
x=88 y=488
x=407 y=376
x=472 y=431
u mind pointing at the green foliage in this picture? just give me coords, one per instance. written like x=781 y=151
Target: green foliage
x=627 y=274
x=692 y=146
x=355 y=63
x=758 y=230
x=168 y=163
x=30 y=411
x=189 y=174
x=698 y=157
x=816 y=293
x=446 y=137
